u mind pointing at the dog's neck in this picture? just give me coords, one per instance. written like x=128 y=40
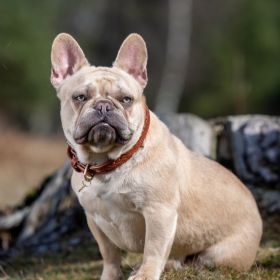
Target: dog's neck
x=100 y=158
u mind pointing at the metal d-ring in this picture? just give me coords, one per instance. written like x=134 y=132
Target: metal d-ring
x=88 y=177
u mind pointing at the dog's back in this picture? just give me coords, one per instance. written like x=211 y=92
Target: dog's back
x=218 y=216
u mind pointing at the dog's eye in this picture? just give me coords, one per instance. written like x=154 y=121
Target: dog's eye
x=80 y=98
x=126 y=100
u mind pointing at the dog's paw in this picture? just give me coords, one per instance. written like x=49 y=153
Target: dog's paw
x=173 y=265
x=140 y=277
x=145 y=272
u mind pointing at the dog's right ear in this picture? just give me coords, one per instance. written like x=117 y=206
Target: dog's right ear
x=66 y=57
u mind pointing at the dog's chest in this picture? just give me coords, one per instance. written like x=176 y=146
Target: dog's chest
x=113 y=207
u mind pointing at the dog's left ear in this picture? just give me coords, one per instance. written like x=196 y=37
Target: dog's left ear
x=132 y=58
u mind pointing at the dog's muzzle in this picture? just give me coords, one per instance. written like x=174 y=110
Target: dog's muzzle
x=103 y=126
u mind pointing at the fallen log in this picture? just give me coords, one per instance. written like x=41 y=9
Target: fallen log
x=39 y=226
x=249 y=145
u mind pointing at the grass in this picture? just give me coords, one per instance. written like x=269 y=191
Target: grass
x=83 y=262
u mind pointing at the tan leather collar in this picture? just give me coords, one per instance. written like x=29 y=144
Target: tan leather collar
x=90 y=170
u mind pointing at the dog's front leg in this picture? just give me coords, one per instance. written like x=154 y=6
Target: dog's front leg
x=110 y=253
x=161 y=222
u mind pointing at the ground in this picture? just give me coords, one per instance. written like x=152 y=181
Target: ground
x=83 y=262
x=27 y=159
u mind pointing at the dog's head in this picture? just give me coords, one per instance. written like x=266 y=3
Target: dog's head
x=102 y=108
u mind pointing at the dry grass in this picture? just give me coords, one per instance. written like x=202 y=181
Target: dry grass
x=25 y=160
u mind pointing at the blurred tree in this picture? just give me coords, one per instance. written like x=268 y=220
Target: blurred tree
x=259 y=41
x=177 y=54
x=232 y=67
x=26 y=27
x=243 y=74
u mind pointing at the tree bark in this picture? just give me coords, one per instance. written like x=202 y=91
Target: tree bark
x=176 y=60
x=39 y=224
x=249 y=145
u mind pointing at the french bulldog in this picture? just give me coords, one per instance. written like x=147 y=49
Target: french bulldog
x=142 y=190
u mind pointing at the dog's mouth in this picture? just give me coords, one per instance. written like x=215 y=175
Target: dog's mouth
x=104 y=132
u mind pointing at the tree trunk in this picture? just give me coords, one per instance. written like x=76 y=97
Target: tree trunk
x=249 y=145
x=176 y=60
x=41 y=221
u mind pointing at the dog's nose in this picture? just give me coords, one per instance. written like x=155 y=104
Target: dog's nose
x=103 y=106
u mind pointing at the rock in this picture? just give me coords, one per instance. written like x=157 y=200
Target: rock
x=268 y=200
x=253 y=145
x=197 y=134
x=250 y=146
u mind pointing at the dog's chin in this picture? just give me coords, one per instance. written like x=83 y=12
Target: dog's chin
x=102 y=135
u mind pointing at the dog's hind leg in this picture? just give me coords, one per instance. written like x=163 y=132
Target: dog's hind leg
x=237 y=252
x=174 y=264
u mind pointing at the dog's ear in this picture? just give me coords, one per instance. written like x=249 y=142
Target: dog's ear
x=132 y=58
x=67 y=57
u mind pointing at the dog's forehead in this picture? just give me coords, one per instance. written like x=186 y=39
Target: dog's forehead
x=104 y=77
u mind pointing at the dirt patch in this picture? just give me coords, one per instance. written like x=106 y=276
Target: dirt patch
x=25 y=160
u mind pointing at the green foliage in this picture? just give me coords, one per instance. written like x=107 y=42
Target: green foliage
x=244 y=76
x=239 y=52
x=27 y=28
